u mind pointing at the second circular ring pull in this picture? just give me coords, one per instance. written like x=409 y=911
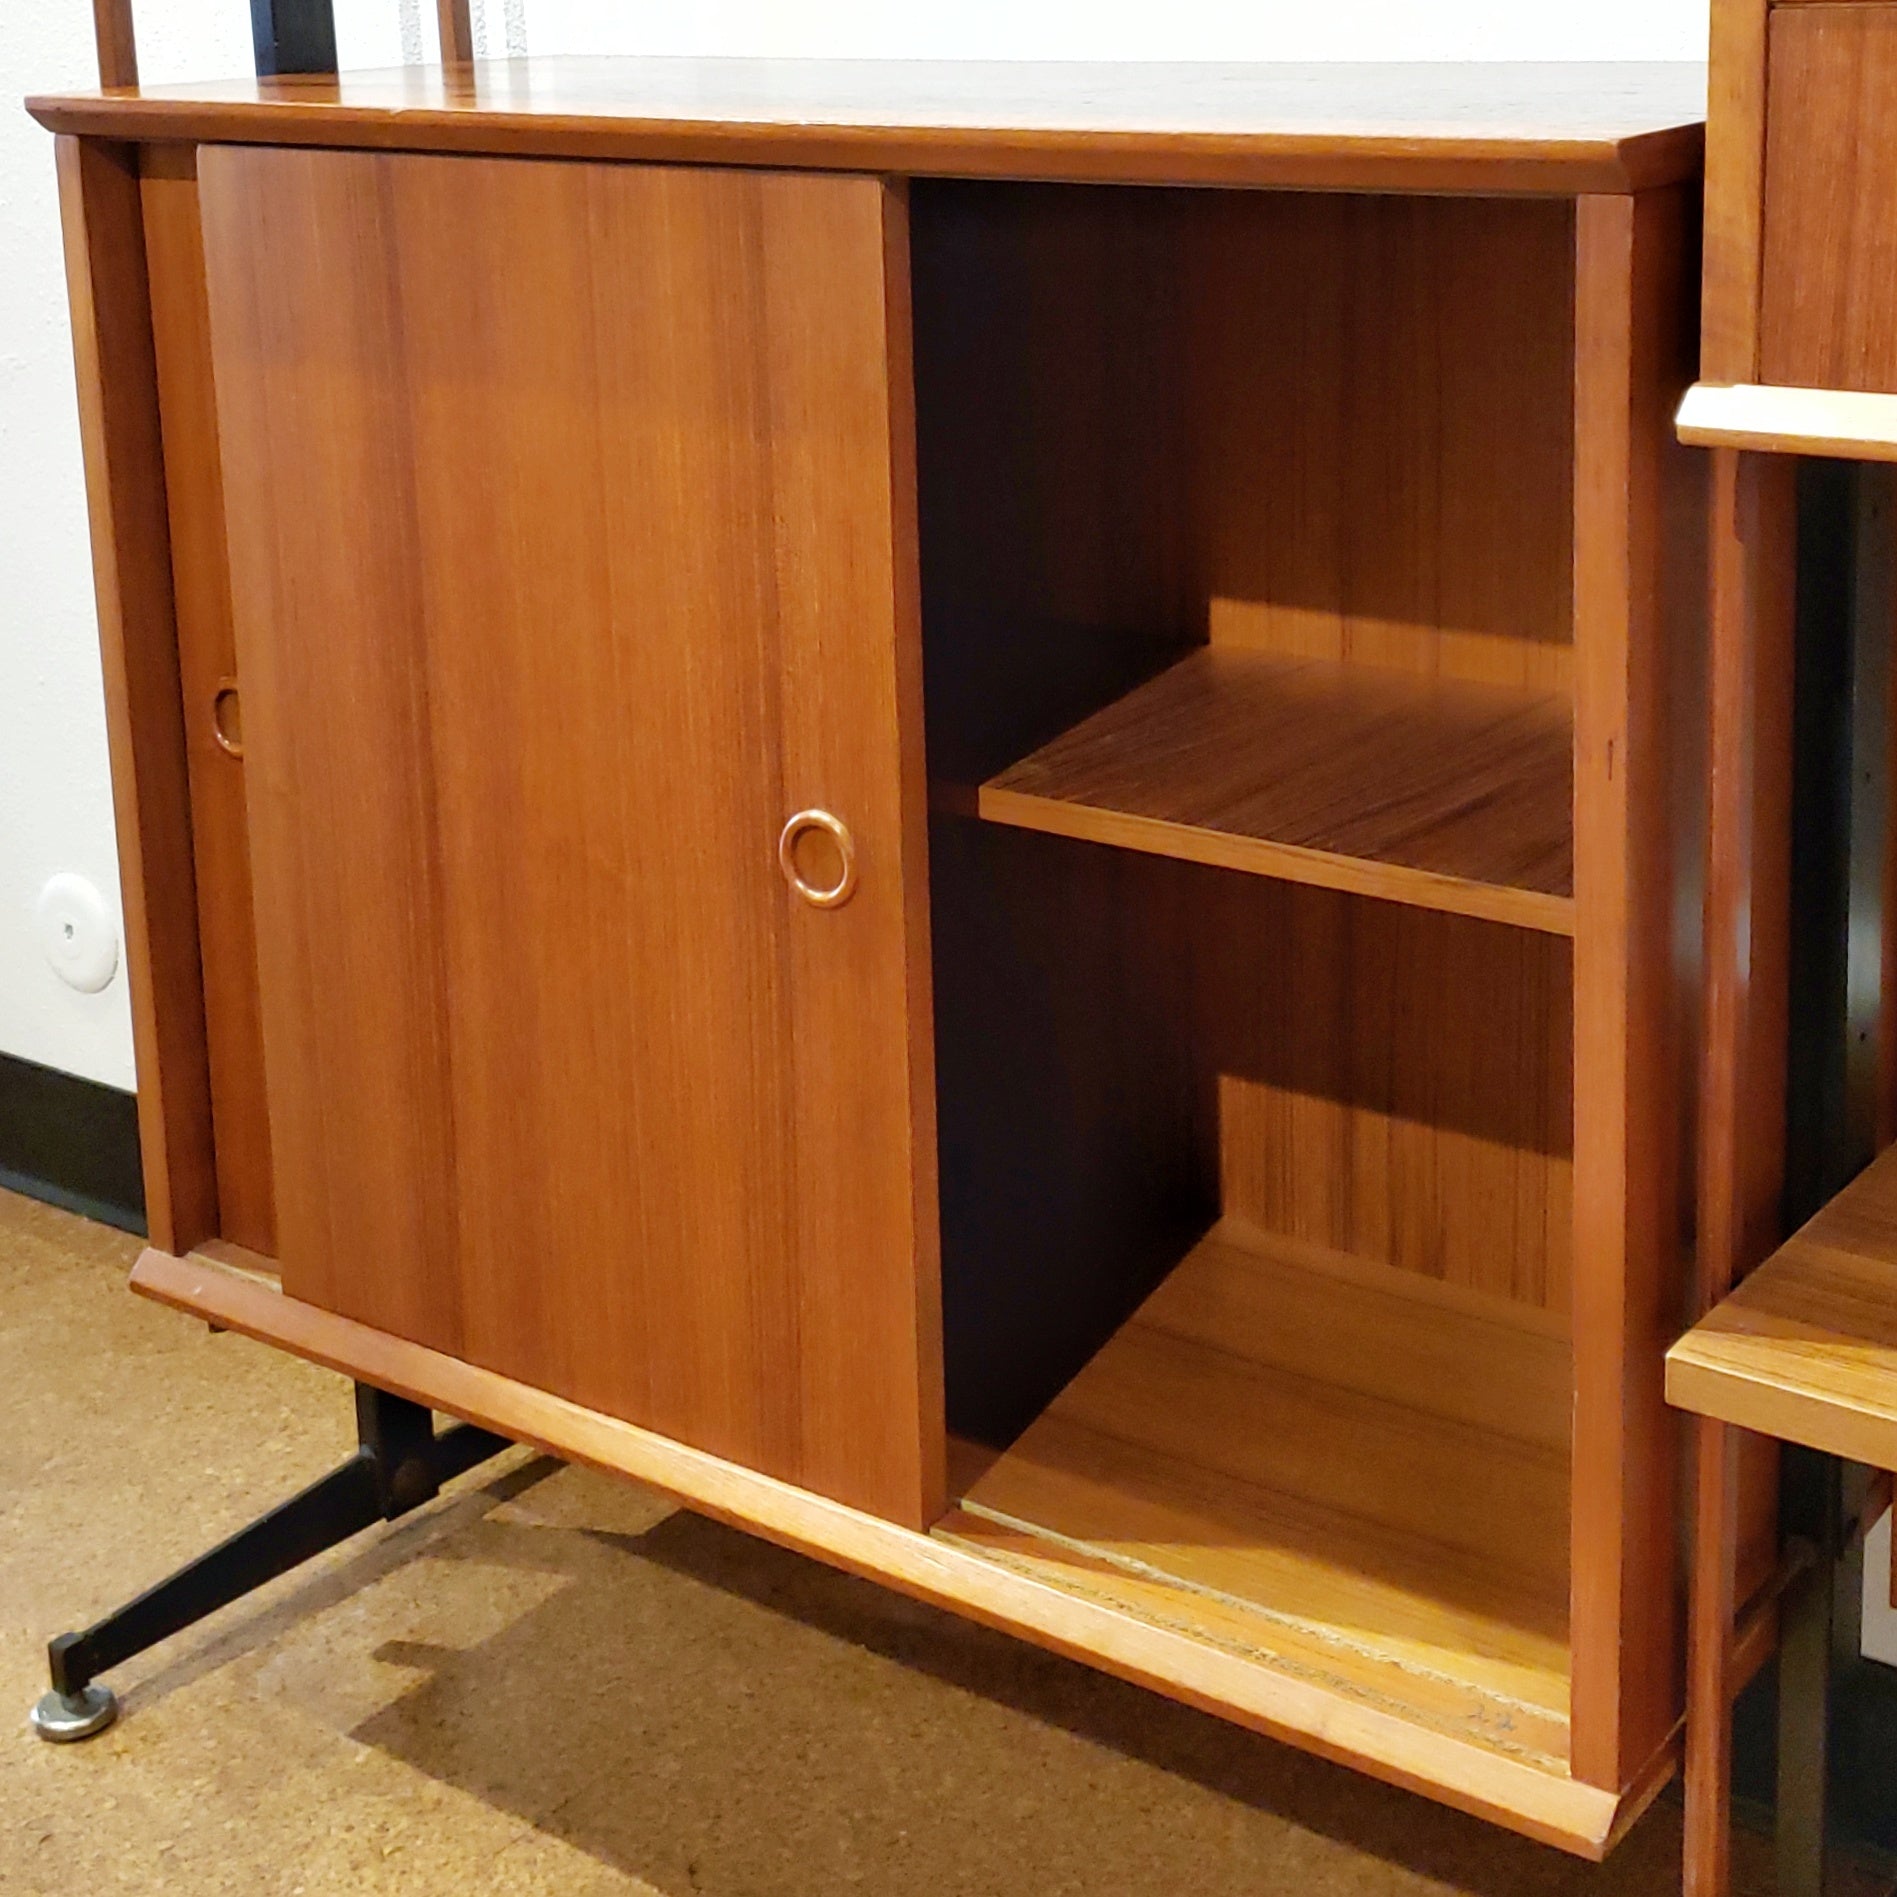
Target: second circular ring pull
x=227 y=718
x=842 y=885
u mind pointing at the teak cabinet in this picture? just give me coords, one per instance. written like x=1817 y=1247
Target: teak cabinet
x=960 y=809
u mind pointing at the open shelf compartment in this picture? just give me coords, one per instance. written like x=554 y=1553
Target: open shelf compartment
x=1337 y=1470
x=1437 y=792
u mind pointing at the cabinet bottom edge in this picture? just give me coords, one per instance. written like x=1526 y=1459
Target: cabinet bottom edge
x=1533 y=1799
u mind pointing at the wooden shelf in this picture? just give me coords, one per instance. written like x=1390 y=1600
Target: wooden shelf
x=1806 y=1348
x=1336 y=1470
x=1431 y=792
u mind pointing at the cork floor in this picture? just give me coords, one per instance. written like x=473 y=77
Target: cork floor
x=549 y=1681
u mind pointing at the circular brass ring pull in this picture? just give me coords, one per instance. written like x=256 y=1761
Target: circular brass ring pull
x=844 y=887
x=227 y=718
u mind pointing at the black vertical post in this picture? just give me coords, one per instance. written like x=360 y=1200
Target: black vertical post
x=293 y=36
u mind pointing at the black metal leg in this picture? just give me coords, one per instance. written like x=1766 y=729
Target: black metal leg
x=399 y=1463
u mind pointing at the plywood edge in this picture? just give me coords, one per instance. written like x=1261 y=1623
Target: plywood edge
x=1762 y=418
x=1220 y=849
x=1541 y=1804
x=1314 y=161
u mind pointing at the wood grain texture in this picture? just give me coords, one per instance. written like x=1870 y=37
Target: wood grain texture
x=1748 y=892
x=1441 y=794
x=551 y=605
x=1827 y=319
x=1277 y=1700
x=1635 y=846
x=1488 y=127
x=1847 y=423
x=1805 y=1348
x=121 y=436
x=207 y=657
x=1316 y=1461
x=1735 y=192
x=117 y=43
x=1741 y=1159
x=1391 y=1083
x=1377 y=410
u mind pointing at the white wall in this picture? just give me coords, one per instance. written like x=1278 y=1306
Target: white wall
x=55 y=798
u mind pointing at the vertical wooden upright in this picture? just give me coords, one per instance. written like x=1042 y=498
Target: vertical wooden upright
x=1629 y=1007
x=457 y=32
x=125 y=496
x=1742 y=1095
x=117 y=43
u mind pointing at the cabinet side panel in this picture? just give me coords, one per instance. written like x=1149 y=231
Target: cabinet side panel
x=207 y=663
x=131 y=567
x=1828 y=319
x=1633 y=1001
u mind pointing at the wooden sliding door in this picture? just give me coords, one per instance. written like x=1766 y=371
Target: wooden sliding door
x=572 y=551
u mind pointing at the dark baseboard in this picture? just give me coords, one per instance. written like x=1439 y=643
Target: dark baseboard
x=71 y=1142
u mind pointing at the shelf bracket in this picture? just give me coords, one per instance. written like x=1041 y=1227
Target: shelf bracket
x=399 y=1463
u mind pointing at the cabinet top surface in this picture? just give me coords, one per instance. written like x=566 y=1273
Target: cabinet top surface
x=1479 y=127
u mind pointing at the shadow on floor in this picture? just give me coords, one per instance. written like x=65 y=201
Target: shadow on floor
x=710 y=1713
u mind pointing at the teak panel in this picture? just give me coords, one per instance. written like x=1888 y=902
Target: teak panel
x=1326 y=1466
x=1827 y=318
x=1438 y=793
x=1639 y=804
x=1391 y=1083
x=1377 y=416
x=1805 y=1349
x=1437 y=126
x=207 y=662
x=1735 y=190
x=120 y=432
x=570 y=556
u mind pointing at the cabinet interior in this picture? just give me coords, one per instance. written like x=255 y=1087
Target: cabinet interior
x=1247 y=550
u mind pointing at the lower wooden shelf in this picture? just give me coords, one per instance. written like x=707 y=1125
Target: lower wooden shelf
x=1335 y=1469
x=1410 y=1667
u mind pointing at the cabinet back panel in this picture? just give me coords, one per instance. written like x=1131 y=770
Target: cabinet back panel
x=1394 y=1083
x=1330 y=424
x=569 y=558
x=1129 y=1046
